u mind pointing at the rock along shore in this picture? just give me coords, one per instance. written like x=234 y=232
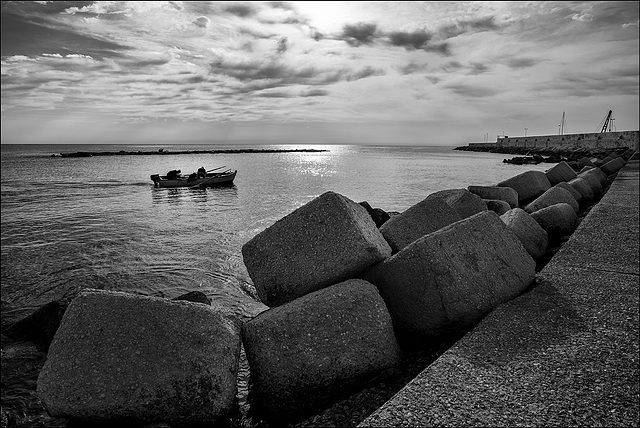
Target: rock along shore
x=353 y=298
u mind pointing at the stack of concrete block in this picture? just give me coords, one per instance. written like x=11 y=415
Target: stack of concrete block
x=326 y=331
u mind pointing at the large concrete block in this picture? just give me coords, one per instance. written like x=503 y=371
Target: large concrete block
x=558 y=220
x=612 y=165
x=506 y=194
x=593 y=181
x=448 y=280
x=122 y=357
x=553 y=196
x=528 y=185
x=426 y=216
x=596 y=172
x=560 y=172
x=463 y=201
x=585 y=161
x=583 y=187
x=569 y=188
x=328 y=240
x=313 y=350
x=497 y=206
x=532 y=236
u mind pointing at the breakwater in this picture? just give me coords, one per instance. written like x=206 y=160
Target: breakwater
x=563 y=354
x=328 y=218
x=595 y=141
x=576 y=157
x=162 y=152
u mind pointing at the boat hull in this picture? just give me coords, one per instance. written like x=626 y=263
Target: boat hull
x=209 y=181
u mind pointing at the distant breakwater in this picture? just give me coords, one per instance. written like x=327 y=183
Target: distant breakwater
x=182 y=152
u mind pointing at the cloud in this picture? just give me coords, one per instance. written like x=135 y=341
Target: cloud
x=314 y=93
x=35 y=36
x=364 y=73
x=473 y=91
x=282 y=46
x=202 y=22
x=414 y=40
x=478 y=68
x=412 y=67
x=520 y=62
x=359 y=34
x=223 y=61
x=442 y=48
x=466 y=26
x=241 y=10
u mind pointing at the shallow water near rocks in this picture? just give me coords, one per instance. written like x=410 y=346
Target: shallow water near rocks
x=97 y=222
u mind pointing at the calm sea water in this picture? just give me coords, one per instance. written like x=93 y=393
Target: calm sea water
x=71 y=223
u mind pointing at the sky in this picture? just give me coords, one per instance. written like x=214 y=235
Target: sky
x=385 y=73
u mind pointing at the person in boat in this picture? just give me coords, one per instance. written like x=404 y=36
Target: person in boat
x=173 y=174
x=202 y=173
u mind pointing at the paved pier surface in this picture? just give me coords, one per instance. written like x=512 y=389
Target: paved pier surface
x=564 y=354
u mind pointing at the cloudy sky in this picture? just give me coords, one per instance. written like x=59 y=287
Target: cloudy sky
x=433 y=73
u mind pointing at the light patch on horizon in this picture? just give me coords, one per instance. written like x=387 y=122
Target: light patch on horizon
x=482 y=64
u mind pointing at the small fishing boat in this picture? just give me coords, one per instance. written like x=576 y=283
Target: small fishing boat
x=200 y=179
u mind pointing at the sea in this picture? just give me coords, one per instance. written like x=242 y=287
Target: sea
x=70 y=223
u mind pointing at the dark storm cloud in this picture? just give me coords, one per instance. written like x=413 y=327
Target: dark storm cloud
x=410 y=41
x=359 y=34
x=31 y=36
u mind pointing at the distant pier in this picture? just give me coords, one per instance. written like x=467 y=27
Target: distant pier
x=593 y=141
x=181 y=152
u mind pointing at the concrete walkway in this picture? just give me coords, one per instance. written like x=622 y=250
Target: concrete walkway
x=564 y=354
